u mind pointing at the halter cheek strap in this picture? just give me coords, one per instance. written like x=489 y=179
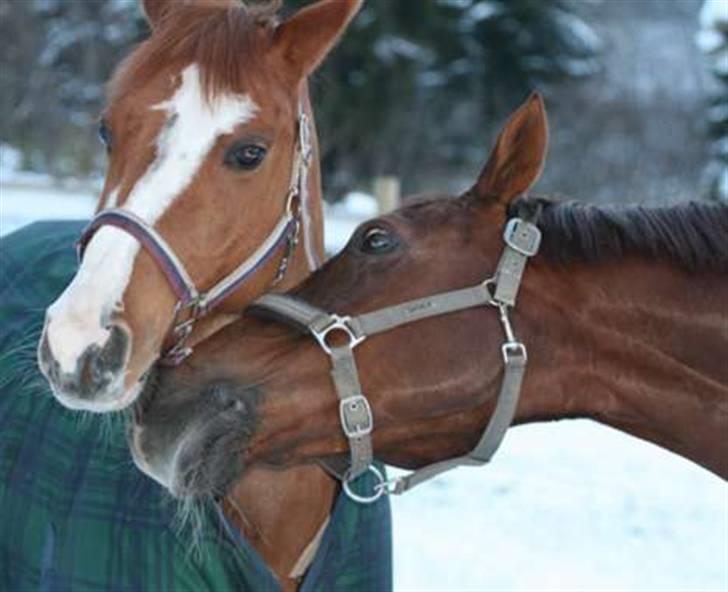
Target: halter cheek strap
x=522 y=240
x=191 y=303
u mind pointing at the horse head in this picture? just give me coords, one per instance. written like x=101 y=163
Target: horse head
x=211 y=175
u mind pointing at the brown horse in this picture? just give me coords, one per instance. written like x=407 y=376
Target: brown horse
x=624 y=312
x=212 y=197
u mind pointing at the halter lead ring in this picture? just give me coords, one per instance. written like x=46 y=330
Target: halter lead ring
x=522 y=241
x=192 y=304
x=380 y=488
x=337 y=324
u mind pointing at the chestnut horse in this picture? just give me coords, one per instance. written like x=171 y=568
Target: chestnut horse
x=624 y=312
x=212 y=197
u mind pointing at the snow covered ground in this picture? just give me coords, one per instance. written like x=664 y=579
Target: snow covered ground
x=21 y=204
x=564 y=506
x=569 y=506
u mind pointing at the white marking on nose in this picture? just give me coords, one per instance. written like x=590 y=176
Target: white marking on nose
x=79 y=318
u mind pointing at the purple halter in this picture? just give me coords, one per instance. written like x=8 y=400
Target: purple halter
x=192 y=304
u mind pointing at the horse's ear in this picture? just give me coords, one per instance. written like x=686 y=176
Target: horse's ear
x=155 y=10
x=516 y=162
x=304 y=40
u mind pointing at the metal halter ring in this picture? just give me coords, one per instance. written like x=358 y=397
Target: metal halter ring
x=489 y=285
x=379 y=488
x=337 y=323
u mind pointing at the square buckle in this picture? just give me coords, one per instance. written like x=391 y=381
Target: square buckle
x=522 y=236
x=514 y=352
x=336 y=323
x=356 y=416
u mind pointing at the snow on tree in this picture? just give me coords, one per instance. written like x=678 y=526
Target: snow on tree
x=57 y=57
x=713 y=42
x=412 y=80
x=402 y=93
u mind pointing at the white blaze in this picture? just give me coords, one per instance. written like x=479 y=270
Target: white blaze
x=79 y=317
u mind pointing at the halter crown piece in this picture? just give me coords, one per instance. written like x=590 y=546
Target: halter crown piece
x=193 y=304
x=522 y=241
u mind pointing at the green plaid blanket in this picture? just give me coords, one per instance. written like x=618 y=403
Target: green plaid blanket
x=75 y=514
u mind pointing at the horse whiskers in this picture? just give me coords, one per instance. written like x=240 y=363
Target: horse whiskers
x=110 y=424
x=26 y=378
x=189 y=517
x=24 y=348
x=23 y=356
x=124 y=464
x=28 y=343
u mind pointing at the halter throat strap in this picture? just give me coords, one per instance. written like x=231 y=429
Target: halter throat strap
x=522 y=240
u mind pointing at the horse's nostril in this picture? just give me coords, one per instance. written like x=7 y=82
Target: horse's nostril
x=99 y=366
x=113 y=355
x=226 y=397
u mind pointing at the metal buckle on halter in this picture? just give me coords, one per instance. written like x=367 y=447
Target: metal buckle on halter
x=175 y=356
x=291 y=210
x=522 y=236
x=356 y=416
x=514 y=351
x=196 y=306
x=291 y=243
x=337 y=323
x=182 y=330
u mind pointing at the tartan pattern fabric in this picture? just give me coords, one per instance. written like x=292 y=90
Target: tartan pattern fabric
x=75 y=514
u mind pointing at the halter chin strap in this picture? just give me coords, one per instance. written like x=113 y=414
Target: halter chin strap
x=192 y=304
x=522 y=240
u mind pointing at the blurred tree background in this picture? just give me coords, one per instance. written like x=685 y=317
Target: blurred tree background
x=417 y=89
x=57 y=56
x=413 y=80
x=713 y=42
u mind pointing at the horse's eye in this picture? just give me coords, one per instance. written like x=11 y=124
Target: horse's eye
x=377 y=241
x=245 y=157
x=105 y=135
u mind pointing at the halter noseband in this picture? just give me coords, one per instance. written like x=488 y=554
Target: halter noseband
x=522 y=240
x=192 y=304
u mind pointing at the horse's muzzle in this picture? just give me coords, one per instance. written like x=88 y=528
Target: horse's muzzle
x=98 y=374
x=189 y=437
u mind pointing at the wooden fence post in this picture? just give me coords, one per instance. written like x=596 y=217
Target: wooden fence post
x=387 y=191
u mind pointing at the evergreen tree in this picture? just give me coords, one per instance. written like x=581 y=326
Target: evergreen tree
x=57 y=57
x=413 y=79
x=713 y=41
x=403 y=93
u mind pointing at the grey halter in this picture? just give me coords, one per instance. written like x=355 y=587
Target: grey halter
x=522 y=240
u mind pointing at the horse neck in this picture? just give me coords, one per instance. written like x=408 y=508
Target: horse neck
x=637 y=345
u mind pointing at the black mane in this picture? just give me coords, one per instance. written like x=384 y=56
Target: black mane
x=693 y=235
